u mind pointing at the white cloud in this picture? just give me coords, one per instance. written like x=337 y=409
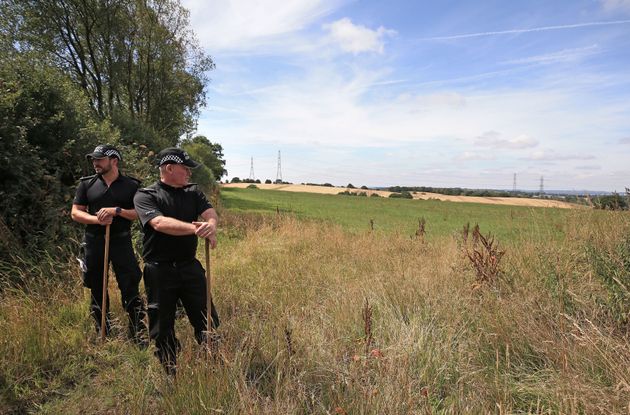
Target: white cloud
x=625 y=140
x=471 y=156
x=611 y=5
x=323 y=106
x=549 y=155
x=357 y=38
x=493 y=139
x=245 y=25
x=422 y=103
x=565 y=55
x=589 y=167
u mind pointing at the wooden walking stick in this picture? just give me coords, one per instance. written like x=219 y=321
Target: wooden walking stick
x=209 y=327
x=105 y=280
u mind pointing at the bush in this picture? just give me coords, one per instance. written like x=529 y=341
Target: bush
x=402 y=195
x=349 y=193
x=47 y=128
x=612 y=202
x=268 y=181
x=252 y=186
x=235 y=180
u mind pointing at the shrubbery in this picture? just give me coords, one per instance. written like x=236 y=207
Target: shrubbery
x=47 y=128
x=349 y=193
x=612 y=202
x=402 y=195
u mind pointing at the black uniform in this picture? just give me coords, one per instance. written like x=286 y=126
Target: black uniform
x=171 y=271
x=94 y=193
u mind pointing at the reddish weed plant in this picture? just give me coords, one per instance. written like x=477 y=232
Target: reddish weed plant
x=484 y=255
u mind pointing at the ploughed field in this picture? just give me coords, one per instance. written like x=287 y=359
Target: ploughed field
x=321 y=314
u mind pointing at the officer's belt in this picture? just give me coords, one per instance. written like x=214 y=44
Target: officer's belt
x=113 y=235
x=171 y=263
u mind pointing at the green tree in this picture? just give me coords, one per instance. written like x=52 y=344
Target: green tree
x=209 y=154
x=46 y=124
x=136 y=61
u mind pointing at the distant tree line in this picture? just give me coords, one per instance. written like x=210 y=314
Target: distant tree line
x=238 y=180
x=268 y=181
x=319 y=184
x=458 y=191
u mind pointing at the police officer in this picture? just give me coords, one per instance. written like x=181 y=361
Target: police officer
x=106 y=198
x=169 y=211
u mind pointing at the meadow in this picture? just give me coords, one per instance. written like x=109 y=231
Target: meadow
x=322 y=315
x=402 y=215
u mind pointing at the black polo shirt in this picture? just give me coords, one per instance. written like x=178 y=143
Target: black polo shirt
x=182 y=203
x=94 y=193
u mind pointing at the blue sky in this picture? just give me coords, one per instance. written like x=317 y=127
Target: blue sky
x=427 y=93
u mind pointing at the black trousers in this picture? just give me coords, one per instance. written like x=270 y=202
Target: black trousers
x=128 y=276
x=166 y=283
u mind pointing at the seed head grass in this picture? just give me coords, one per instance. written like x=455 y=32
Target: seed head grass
x=319 y=320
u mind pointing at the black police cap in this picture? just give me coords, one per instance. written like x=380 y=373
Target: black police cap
x=104 y=150
x=174 y=155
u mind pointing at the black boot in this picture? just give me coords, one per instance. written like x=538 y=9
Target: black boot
x=138 y=330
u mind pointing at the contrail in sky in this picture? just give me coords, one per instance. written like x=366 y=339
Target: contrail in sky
x=534 y=29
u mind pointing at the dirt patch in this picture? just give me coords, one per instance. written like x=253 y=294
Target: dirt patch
x=511 y=201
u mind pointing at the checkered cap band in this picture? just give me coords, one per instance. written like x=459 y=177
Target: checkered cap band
x=171 y=157
x=110 y=153
x=104 y=151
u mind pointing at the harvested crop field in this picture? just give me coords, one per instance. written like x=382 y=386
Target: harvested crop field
x=509 y=201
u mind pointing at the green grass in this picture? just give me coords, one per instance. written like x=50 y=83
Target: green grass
x=401 y=215
x=543 y=337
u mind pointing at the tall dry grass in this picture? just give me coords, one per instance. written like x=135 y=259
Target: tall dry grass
x=316 y=320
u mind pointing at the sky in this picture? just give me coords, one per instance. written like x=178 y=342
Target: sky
x=451 y=93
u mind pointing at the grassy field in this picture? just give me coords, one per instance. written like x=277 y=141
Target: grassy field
x=402 y=215
x=324 y=317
